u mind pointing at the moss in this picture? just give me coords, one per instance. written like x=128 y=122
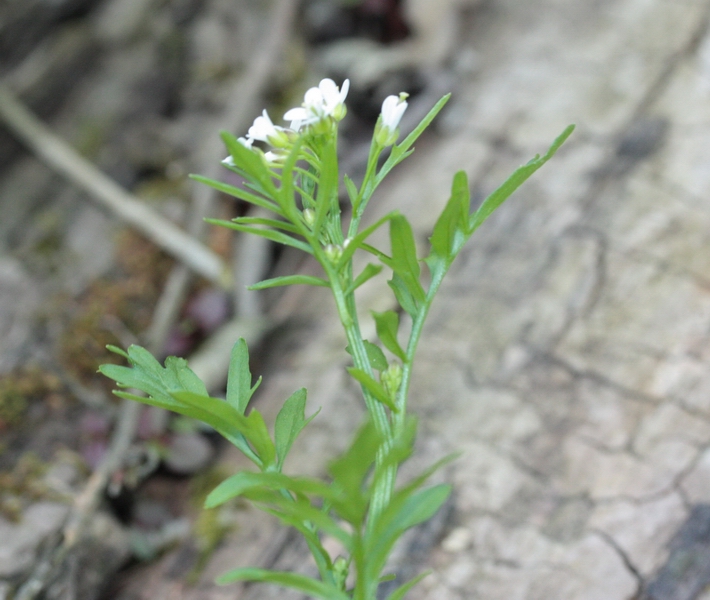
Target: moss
x=23 y=484
x=19 y=388
x=114 y=309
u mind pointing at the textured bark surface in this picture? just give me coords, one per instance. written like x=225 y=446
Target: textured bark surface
x=567 y=355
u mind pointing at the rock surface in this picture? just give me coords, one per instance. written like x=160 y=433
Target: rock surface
x=566 y=356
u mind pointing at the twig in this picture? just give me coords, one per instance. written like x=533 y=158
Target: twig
x=66 y=161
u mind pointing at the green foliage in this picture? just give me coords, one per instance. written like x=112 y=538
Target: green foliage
x=387 y=324
x=359 y=503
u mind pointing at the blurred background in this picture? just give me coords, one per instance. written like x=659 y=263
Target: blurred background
x=106 y=106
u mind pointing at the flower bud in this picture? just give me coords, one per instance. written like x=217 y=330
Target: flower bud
x=341 y=568
x=309 y=216
x=391 y=378
x=386 y=132
x=333 y=252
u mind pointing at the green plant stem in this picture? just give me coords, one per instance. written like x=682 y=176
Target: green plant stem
x=369 y=184
x=417 y=328
x=348 y=317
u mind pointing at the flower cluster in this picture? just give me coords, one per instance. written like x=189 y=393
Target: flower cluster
x=320 y=105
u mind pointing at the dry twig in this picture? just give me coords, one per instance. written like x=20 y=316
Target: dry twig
x=65 y=160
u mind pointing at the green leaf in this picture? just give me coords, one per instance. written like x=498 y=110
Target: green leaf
x=161 y=383
x=351 y=189
x=239 y=389
x=269 y=234
x=291 y=512
x=327 y=195
x=240 y=193
x=252 y=427
x=350 y=469
x=399 y=593
x=149 y=376
x=387 y=324
x=294 y=581
x=402 y=151
x=423 y=124
x=117 y=350
x=404 y=256
x=286 y=196
x=398 y=450
x=421 y=506
x=357 y=241
x=238 y=484
x=228 y=431
x=377 y=358
x=451 y=227
x=400 y=515
x=514 y=182
x=289 y=423
x=251 y=163
x=403 y=295
x=374 y=387
x=275 y=223
x=287 y=498
x=290 y=280
x=367 y=273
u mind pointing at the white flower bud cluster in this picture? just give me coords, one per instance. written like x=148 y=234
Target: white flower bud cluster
x=320 y=105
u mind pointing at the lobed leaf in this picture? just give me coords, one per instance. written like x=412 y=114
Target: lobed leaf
x=239 y=388
x=289 y=423
x=252 y=427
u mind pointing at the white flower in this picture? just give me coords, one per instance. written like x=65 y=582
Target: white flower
x=326 y=100
x=392 y=110
x=273 y=157
x=229 y=162
x=246 y=142
x=264 y=130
